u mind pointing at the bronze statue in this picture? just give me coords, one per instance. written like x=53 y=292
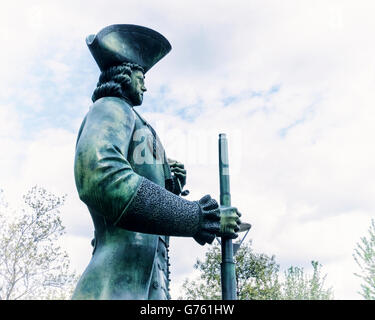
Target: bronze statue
x=123 y=176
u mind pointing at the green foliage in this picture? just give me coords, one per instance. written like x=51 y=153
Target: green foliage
x=364 y=255
x=257 y=276
x=32 y=264
x=208 y=286
x=299 y=286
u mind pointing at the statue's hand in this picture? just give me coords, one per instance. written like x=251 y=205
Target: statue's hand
x=178 y=169
x=216 y=221
x=229 y=222
x=209 y=220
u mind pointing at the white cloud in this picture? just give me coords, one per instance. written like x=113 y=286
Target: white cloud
x=79 y=250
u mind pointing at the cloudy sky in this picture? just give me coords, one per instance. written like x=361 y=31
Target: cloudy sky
x=290 y=82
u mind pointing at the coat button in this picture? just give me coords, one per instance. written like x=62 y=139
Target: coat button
x=155 y=285
x=128 y=278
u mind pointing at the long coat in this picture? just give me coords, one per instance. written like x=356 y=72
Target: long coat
x=114 y=151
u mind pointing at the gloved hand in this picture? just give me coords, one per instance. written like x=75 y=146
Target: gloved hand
x=216 y=221
x=229 y=222
x=178 y=169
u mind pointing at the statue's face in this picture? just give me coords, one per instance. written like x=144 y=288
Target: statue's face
x=137 y=88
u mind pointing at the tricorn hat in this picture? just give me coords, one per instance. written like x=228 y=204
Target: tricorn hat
x=121 y=43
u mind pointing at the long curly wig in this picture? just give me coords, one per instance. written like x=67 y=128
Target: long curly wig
x=114 y=81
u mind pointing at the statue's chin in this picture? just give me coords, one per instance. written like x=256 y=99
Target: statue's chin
x=136 y=101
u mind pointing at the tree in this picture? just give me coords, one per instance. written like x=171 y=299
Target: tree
x=257 y=276
x=299 y=286
x=32 y=264
x=364 y=255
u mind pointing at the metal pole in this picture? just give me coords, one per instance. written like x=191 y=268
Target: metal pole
x=228 y=271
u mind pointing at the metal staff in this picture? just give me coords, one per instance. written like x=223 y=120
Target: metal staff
x=228 y=268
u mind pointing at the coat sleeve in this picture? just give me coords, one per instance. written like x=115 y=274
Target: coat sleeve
x=107 y=183
x=104 y=177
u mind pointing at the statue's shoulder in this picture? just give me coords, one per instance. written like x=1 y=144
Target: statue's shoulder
x=113 y=107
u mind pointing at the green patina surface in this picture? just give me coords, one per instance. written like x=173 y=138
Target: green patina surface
x=116 y=152
x=107 y=178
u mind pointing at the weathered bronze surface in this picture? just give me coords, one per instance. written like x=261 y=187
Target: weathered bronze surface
x=124 y=177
